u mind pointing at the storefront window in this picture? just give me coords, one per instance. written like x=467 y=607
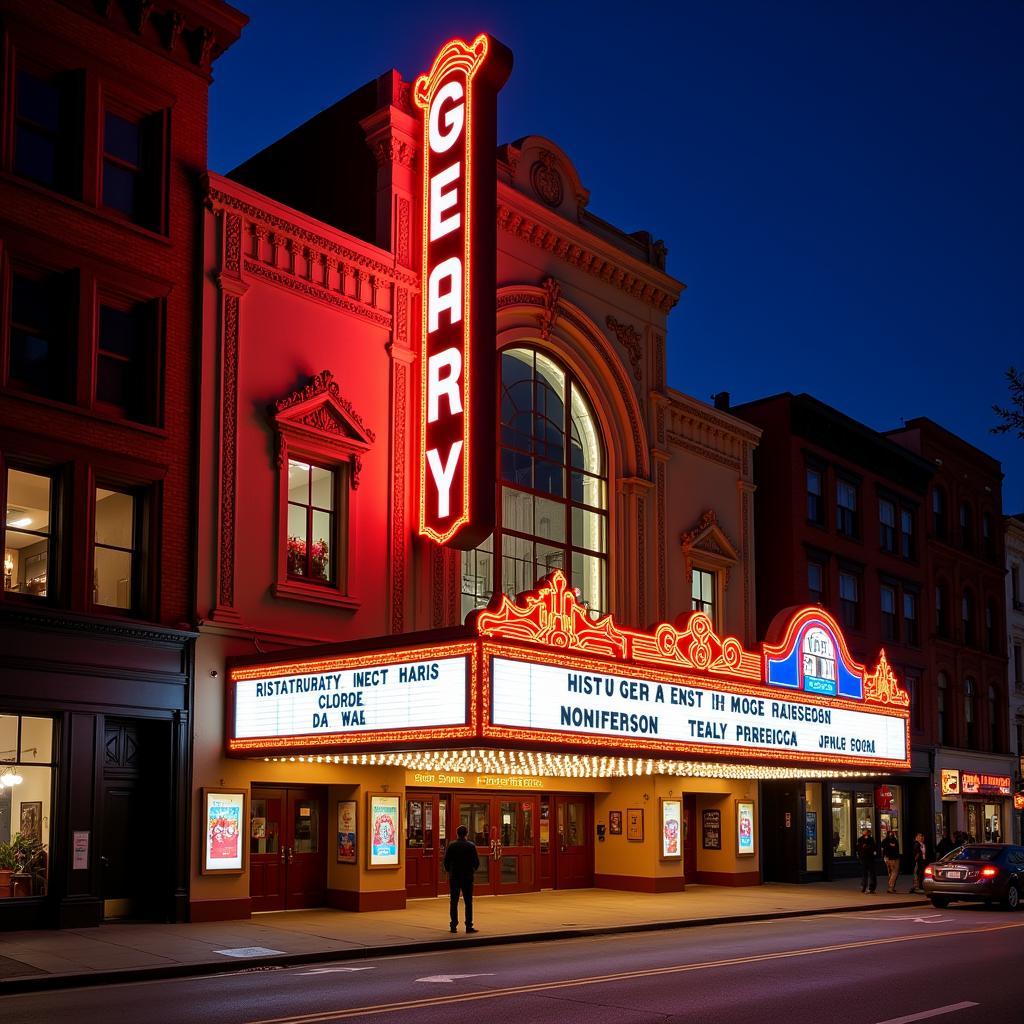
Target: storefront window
x=890 y=812
x=26 y=785
x=553 y=498
x=842 y=808
x=813 y=823
x=993 y=823
x=865 y=813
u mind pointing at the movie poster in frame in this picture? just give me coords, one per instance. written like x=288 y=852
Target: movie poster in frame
x=347 y=838
x=224 y=825
x=671 y=816
x=745 y=832
x=32 y=819
x=383 y=823
x=615 y=823
x=635 y=824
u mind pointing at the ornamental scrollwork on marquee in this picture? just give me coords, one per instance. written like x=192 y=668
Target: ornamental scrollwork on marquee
x=553 y=616
x=881 y=686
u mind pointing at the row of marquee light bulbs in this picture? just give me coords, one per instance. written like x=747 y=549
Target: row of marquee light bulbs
x=529 y=763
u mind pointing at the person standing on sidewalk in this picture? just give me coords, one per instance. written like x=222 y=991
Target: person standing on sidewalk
x=867 y=850
x=461 y=861
x=920 y=855
x=891 y=856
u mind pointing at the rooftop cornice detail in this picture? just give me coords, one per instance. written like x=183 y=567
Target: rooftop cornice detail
x=685 y=407
x=218 y=197
x=523 y=218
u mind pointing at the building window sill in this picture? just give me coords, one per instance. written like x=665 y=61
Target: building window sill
x=314 y=594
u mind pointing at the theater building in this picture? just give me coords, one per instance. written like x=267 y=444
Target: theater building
x=363 y=684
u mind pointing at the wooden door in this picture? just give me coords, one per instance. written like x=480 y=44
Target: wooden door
x=421 y=845
x=574 y=850
x=689 y=837
x=287 y=848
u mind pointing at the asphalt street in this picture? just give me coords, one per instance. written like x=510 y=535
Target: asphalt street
x=958 y=966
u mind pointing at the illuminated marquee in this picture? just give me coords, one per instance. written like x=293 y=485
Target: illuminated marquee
x=540 y=673
x=457 y=448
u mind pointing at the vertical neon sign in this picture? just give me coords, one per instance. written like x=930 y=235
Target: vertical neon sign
x=457 y=365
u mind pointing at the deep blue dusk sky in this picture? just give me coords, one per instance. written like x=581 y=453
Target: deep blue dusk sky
x=838 y=183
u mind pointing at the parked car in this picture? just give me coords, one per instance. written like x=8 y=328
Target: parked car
x=978 y=871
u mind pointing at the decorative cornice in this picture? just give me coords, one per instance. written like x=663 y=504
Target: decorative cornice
x=629 y=338
x=39 y=618
x=611 y=271
x=216 y=197
x=320 y=385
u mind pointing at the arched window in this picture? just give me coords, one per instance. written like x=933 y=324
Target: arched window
x=970 y=727
x=939 y=512
x=552 y=501
x=967 y=616
x=993 y=719
x=943 y=686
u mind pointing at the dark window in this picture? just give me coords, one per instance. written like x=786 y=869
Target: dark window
x=1015 y=587
x=943 y=686
x=991 y=637
x=910 y=634
x=970 y=726
x=816 y=582
x=913 y=682
x=553 y=491
x=846 y=508
x=942 y=610
x=849 y=600
x=889 y=628
x=815 y=501
x=125 y=358
x=130 y=167
x=1018 y=670
x=887 y=525
x=966 y=531
x=312 y=493
x=44 y=130
x=41 y=314
x=908 y=548
x=939 y=512
x=967 y=617
x=116 y=561
x=28 y=535
x=993 y=719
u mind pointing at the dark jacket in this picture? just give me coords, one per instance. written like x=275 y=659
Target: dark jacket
x=461 y=860
x=866 y=849
x=891 y=847
x=944 y=846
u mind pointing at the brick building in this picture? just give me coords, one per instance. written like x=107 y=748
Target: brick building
x=840 y=522
x=104 y=118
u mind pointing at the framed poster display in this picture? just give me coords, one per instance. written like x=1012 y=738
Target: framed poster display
x=347 y=832
x=615 y=823
x=224 y=812
x=711 y=829
x=32 y=819
x=745 y=846
x=811 y=823
x=383 y=822
x=671 y=815
x=635 y=824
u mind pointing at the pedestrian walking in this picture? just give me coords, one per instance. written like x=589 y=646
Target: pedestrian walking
x=867 y=850
x=461 y=861
x=945 y=845
x=891 y=856
x=920 y=855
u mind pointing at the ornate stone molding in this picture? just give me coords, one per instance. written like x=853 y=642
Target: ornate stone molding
x=323 y=383
x=629 y=338
x=546 y=179
x=398 y=460
x=587 y=259
x=552 y=293
x=707 y=544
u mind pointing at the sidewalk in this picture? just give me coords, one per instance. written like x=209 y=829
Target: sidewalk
x=34 y=960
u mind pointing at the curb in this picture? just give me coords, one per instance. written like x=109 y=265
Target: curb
x=129 y=975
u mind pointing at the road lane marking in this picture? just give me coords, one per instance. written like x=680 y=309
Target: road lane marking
x=345 y=1013
x=925 y=1014
x=335 y=970
x=448 y=979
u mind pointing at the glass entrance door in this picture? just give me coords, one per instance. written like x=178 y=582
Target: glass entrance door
x=287 y=860
x=504 y=830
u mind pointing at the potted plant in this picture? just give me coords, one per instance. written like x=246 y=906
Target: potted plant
x=30 y=861
x=8 y=865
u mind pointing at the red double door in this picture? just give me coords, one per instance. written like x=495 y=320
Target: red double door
x=525 y=841
x=287 y=848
